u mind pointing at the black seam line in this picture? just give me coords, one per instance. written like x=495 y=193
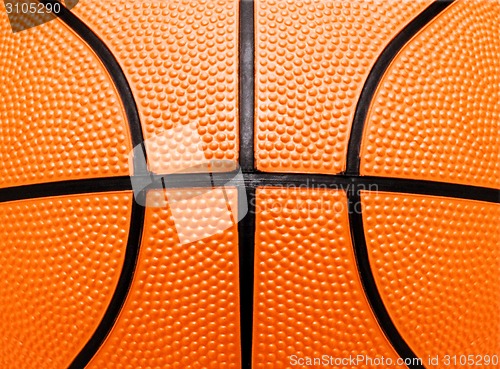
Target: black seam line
x=115 y=72
x=246 y=247
x=247 y=84
x=369 y=285
x=346 y=183
x=140 y=168
x=246 y=227
x=121 y=292
x=353 y=163
x=398 y=185
x=375 y=76
x=65 y=188
x=134 y=237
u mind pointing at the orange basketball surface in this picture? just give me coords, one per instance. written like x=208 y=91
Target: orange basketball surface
x=436 y=114
x=312 y=60
x=182 y=308
x=59 y=120
x=61 y=258
x=308 y=296
x=181 y=59
x=365 y=223
x=444 y=253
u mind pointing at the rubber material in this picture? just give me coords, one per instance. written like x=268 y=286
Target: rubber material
x=139 y=168
x=116 y=73
x=376 y=75
x=183 y=71
x=435 y=115
x=308 y=295
x=436 y=263
x=121 y=291
x=60 y=264
x=312 y=59
x=350 y=183
x=370 y=287
x=59 y=120
x=353 y=168
x=182 y=309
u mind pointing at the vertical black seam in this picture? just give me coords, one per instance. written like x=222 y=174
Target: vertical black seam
x=246 y=227
x=247 y=84
x=246 y=247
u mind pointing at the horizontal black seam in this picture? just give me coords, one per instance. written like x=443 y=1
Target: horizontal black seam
x=397 y=185
x=409 y=186
x=64 y=188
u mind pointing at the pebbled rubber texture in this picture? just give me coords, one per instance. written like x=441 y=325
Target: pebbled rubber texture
x=308 y=297
x=59 y=120
x=181 y=60
x=436 y=113
x=312 y=59
x=436 y=262
x=182 y=310
x=59 y=265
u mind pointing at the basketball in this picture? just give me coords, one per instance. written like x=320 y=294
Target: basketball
x=249 y=184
